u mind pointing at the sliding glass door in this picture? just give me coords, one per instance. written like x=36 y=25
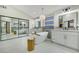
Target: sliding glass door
x=5 y=26
x=13 y=27
x=23 y=27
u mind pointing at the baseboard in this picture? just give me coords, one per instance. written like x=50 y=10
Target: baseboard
x=66 y=46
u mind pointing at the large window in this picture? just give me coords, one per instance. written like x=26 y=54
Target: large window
x=13 y=27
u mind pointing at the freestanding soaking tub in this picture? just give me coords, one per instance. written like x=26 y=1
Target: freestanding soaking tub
x=40 y=37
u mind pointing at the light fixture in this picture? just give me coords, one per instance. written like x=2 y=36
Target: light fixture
x=42 y=16
x=66 y=9
x=23 y=22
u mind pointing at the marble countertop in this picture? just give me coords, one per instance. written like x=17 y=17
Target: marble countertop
x=66 y=30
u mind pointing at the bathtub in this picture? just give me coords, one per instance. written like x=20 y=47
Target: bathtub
x=40 y=37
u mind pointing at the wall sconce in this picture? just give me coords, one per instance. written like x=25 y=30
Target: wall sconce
x=66 y=9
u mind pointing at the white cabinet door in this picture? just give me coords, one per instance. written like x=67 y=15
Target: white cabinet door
x=53 y=36
x=72 y=40
x=59 y=37
x=56 y=37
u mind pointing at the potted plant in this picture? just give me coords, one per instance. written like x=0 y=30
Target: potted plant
x=14 y=32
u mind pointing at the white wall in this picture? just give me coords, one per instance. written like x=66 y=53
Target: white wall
x=13 y=12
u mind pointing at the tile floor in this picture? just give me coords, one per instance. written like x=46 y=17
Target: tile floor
x=19 y=45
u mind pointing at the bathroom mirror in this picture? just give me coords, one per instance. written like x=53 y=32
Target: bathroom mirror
x=60 y=21
x=68 y=20
x=37 y=24
x=71 y=24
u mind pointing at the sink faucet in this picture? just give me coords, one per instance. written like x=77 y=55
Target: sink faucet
x=65 y=28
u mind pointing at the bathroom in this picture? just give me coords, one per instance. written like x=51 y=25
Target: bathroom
x=54 y=27
x=39 y=29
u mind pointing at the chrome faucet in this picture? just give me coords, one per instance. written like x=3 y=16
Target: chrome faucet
x=35 y=33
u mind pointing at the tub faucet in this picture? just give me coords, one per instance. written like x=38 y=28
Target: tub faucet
x=35 y=33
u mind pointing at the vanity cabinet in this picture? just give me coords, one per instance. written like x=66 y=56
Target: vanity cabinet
x=70 y=39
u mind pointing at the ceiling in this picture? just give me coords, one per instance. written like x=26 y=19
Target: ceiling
x=36 y=10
